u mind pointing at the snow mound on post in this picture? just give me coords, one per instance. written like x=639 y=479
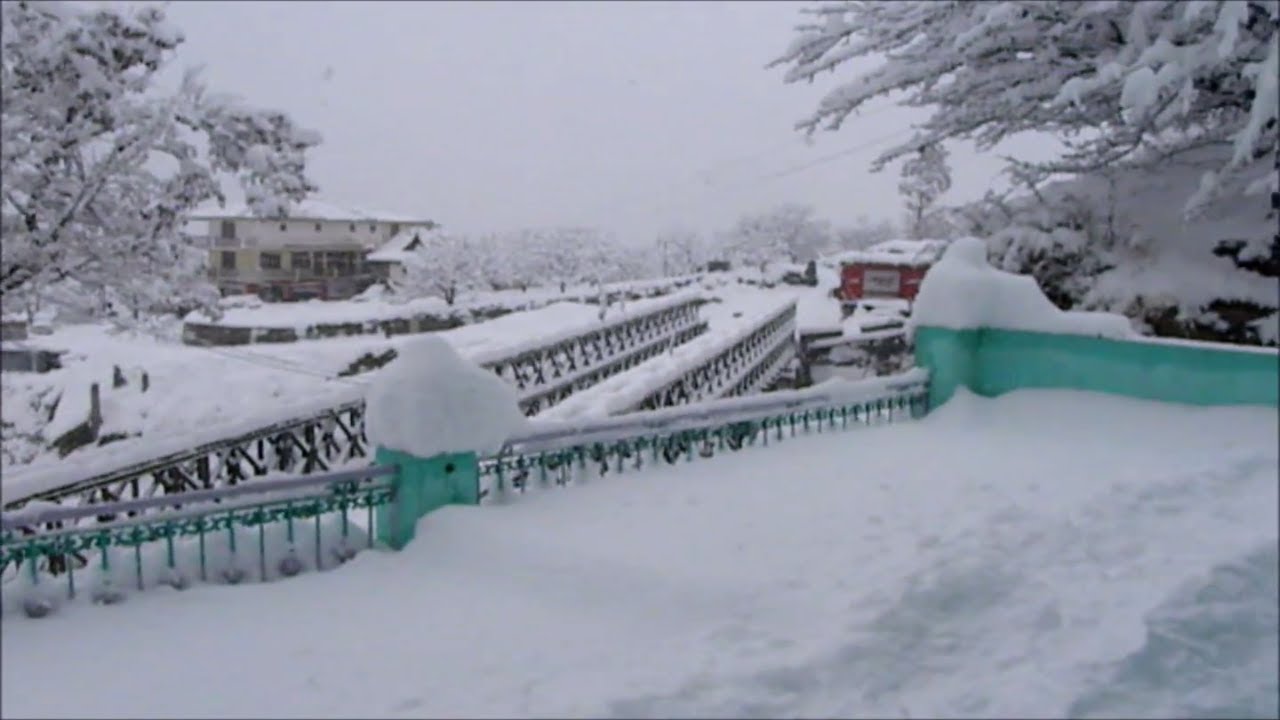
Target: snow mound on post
x=431 y=401
x=962 y=291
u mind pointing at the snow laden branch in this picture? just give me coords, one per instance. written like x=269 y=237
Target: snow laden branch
x=100 y=169
x=1120 y=82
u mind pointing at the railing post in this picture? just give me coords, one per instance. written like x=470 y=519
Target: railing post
x=951 y=357
x=421 y=485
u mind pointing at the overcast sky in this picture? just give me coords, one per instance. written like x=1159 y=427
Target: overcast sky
x=632 y=116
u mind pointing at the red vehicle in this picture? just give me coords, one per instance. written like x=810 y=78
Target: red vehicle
x=891 y=270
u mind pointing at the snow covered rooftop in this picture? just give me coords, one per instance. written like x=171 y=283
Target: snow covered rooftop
x=309 y=209
x=400 y=248
x=896 y=252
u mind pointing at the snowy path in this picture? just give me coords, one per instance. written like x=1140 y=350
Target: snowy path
x=1042 y=554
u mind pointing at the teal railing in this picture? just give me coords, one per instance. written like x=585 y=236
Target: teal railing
x=279 y=528
x=558 y=455
x=244 y=533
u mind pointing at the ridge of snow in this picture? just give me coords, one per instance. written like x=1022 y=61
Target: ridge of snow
x=308 y=209
x=962 y=292
x=430 y=401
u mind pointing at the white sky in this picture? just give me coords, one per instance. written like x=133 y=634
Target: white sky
x=632 y=116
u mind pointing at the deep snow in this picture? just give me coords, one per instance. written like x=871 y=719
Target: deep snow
x=962 y=291
x=430 y=401
x=1050 y=553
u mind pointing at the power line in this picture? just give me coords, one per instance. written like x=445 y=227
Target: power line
x=759 y=180
x=836 y=155
x=775 y=148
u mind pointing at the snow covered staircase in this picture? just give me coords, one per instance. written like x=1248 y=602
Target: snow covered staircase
x=330 y=435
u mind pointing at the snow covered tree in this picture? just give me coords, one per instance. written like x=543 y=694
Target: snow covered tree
x=863 y=233
x=788 y=232
x=443 y=265
x=99 y=169
x=1117 y=82
x=681 y=251
x=564 y=255
x=496 y=262
x=925 y=177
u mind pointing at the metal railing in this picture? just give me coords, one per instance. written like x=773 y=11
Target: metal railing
x=277 y=527
x=331 y=435
x=738 y=365
x=557 y=452
x=214 y=534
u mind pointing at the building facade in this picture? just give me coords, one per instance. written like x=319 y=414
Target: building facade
x=319 y=251
x=889 y=270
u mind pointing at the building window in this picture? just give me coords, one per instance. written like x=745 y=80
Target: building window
x=339 y=264
x=353 y=227
x=228 y=230
x=317 y=227
x=284 y=227
x=228 y=260
x=269 y=261
x=373 y=228
x=395 y=229
x=300 y=260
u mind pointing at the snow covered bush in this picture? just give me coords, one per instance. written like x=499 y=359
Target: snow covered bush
x=100 y=169
x=1118 y=243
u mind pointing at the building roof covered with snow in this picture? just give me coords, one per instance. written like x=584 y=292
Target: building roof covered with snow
x=911 y=253
x=309 y=209
x=401 y=247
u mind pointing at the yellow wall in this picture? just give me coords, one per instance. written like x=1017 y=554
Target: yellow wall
x=247 y=259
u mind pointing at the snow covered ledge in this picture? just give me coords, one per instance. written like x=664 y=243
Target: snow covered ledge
x=994 y=332
x=430 y=413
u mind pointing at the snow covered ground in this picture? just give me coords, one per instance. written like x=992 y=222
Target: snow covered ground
x=198 y=389
x=1051 y=553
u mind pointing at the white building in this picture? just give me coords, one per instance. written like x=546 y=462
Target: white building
x=320 y=250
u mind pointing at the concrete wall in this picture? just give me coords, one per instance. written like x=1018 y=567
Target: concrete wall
x=991 y=362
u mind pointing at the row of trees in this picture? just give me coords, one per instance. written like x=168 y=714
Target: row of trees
x=447 y=264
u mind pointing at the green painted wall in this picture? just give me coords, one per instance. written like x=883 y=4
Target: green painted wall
x=990 y=362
